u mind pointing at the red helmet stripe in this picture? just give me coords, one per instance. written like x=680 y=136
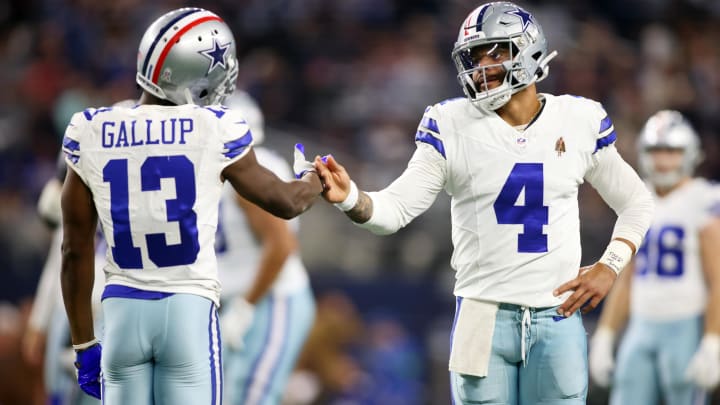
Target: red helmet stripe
x=171 y=42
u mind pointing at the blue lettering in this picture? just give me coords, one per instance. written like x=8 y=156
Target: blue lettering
x=107 y=137
x=122 y=136
x=185 y=129
x=134 y=142
x=172 y=137
x=148 y=138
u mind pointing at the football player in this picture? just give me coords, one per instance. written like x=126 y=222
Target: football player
x=152 y=175
x=671 y=347
x=268 y=305
x=512 y=159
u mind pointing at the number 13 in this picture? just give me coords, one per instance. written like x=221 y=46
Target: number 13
x=155 y=168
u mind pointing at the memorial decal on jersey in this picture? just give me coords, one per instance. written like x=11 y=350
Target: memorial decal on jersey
x=560 y=146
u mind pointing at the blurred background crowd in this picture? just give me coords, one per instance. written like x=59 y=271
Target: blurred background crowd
x=351 y=78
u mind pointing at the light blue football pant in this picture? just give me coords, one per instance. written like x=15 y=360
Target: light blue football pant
x=60 y=383
x=555 y=370
x=164 y=351
x=257 y=374
x=652 y=360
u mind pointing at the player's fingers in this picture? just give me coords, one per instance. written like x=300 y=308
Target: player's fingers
x=565 y=307
x=594 y=302
x=333 y=164
x=570 y=285
x=579 y=303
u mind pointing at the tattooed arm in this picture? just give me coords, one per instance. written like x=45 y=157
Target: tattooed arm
x=384 y=212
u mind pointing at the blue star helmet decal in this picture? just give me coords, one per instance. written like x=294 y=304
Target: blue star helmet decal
x=523 y=15
x=216 y=54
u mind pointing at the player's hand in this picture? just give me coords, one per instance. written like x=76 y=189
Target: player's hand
x=33 y=346
x=300 y=163
x=704 y=367
x=334 y=177
x=589 y=288
x=601 y=356
x=87 y=362
x=235 y=322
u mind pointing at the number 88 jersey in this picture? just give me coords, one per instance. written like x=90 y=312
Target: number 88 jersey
x=155 y=175
x=669 y=282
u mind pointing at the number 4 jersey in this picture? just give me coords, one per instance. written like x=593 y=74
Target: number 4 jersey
x=669 y=282
x=155 y=175
x=515 y=216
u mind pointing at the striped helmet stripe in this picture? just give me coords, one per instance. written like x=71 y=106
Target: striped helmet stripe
x=162 y=31
x=172 y=41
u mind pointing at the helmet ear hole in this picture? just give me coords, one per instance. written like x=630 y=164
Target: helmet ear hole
x=537 y=55
x=203 y=93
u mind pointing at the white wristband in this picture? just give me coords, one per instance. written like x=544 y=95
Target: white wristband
x=83 y=346
x=616 y=256
x=349 y=202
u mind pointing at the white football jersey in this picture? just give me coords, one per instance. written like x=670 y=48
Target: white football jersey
x=155 y=175
x=515 y=217
x=669 y=282
x=238 y=249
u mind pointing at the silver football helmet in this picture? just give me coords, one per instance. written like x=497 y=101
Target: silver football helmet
x=187 y=56
x=668 y=129
x=241 y=101
x=510 y=26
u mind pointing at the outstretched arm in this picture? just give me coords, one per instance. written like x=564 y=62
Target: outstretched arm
x=78 y=256
x=262 y=187
x=384 y=212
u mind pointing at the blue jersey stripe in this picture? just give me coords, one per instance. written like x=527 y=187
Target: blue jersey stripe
x=605 y=124
x=605 y=141
x=121 y=291
x=73 y=158
x=162 y=31
x=430 y=139
x=71 y=144
x=237 y=146
x=430 y=124
x=218 y=113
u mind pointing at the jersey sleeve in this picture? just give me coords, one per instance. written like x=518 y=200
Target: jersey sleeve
x=711 y=205
x=415 y=190
x=72 y=143
x=235 y=135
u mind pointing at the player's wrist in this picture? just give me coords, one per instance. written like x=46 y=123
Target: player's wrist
x=82 y=346
x=308 y=176
x=616 y=256
x=350 y=200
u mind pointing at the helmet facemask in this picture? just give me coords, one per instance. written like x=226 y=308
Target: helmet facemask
x=505 y=25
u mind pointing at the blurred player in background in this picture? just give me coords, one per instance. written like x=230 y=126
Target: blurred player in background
x=268 y=305
x=512 y=160
x=671 y=348
x=153 y=175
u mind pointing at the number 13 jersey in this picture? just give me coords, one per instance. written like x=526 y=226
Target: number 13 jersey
x=155 y=175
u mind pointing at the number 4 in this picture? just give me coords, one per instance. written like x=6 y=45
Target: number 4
x=533 y=215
